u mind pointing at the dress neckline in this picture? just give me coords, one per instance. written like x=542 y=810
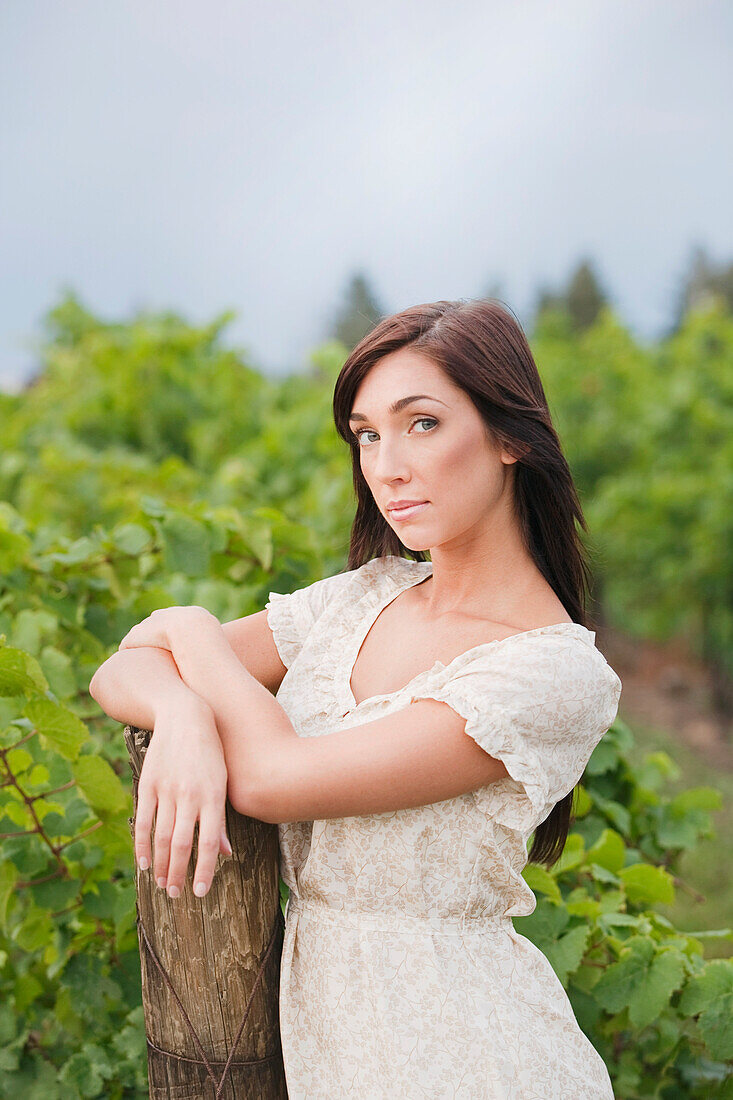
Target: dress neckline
x=393 y=584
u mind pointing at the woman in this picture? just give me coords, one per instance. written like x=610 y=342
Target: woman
x=462 y=696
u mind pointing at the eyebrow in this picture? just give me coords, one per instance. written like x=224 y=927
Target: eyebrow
x=399 y=405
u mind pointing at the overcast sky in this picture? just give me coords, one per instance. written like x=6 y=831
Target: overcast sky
x=202 y=156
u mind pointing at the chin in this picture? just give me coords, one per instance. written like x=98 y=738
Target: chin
x=415 y=544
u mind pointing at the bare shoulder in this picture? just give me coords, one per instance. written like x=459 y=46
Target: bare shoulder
x=543 y=608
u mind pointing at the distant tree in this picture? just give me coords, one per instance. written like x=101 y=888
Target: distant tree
x=64 y=325
x=582 y=298
x=703 y=282
x=585 y=296
x=547 y=299
x=359 y=313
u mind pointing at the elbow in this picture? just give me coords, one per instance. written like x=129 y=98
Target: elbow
x=95 y=684
x=105 y=693
x=99 y=691
x=93 y=688
x=258 y=790
x=104 y=702
x=248 y=800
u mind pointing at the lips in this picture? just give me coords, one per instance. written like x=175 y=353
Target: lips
x=404 y=504
x=402 y=515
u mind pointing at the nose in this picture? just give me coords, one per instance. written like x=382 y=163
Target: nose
x=390 y=463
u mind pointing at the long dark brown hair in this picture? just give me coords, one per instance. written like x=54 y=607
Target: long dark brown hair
x=482 y=348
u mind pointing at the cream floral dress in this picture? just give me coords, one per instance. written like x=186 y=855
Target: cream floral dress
x=402 y=975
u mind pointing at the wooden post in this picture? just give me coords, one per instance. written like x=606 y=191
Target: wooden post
x=216 y=961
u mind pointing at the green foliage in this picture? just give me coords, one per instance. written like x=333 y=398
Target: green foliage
x=640 y=988
x=72 y=1021
x=147 y=467
x=649 y=437
x=69 y=964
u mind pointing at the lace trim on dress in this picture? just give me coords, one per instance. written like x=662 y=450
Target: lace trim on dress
x=381 y=580
x=543 y=764
x=491 y=728
x=288 y=623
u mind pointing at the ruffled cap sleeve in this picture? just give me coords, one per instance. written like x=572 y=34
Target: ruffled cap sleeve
x=291 y=616
x=538 y=703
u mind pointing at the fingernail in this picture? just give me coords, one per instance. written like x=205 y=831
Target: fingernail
x=143 y=863
x=173 y=891
x=161 y=882
x=199 y=889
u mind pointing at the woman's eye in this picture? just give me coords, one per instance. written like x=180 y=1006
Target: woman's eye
x=420 y=420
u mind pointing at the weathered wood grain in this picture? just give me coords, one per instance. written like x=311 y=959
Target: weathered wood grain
x=212 y=949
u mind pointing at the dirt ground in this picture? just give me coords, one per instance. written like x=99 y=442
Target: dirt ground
x=665 y=686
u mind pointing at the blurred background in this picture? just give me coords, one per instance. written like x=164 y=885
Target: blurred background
x=203 y=209
x=265 y=158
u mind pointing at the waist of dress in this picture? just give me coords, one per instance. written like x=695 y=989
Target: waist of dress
x=394 y=920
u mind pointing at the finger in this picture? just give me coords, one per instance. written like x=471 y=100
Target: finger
x=164 y=821
x=181 y=844
x=210 y=839
x=146 y=802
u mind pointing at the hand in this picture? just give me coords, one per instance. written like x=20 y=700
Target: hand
x=162 y=627
x=183 y=779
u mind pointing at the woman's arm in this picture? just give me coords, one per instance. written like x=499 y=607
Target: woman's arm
x=134 y=684
x=411 y=758
x=255 y=731
x=131 y=682
x=142 y=686
x=184 y=777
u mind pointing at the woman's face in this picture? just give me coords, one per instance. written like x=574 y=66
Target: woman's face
x=434 y=449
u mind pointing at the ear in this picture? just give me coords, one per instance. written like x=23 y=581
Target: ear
x=508 y=459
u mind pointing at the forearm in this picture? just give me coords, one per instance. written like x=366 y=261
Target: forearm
x=133 y=684
x=256 y=734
